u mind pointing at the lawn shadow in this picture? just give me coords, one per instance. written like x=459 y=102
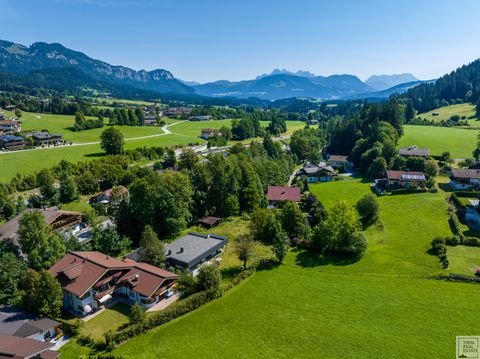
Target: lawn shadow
x=230 y=272
x=97 y=154
x=310 y=259
x=445 y=187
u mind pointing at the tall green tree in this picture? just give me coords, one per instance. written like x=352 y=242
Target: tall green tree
x=334 y=234
x=12 y=272
x=112 y=141
x=245 y=249
x=46 y=182
x=152 y=251
x=280 y=243
x=42 y=246
x=188 y=159
x=293 y=220
x=109 y=241
x=42 y=294
x=368 y=208
x=68 y=190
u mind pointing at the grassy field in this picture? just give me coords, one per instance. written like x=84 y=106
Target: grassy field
x=63 y=124
x=463 y=259
x=295 y=312
x=459 y=142
x=444 y=113
x=348 y=189
x=307 y=307
x=25 y=162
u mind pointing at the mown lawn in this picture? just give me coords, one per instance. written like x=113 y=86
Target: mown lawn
x=463 y=259
x=194 y=128
x=312 y=307
x=459 y=142
x=444 y=113
x=348 y=189
x=295 y=312
x=25 y=162
x=110 y=318
x=63 y=124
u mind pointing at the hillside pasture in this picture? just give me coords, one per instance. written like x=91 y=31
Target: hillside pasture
x=444 y=113
x=459 y=142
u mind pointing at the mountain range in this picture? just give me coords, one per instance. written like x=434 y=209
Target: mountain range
x=383 y=82
x=59 y=68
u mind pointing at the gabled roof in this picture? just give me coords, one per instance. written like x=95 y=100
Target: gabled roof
x=281 y=193
x=19 y=348
x=465 y=173
x=406 y=176
x=414 y=151
x=9 y=230
x=80 y=271
x=338 y=158
x=145 y=279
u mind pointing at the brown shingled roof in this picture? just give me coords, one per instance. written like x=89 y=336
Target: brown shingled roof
x=19 y=348
x=80 y=271
x=465 y=173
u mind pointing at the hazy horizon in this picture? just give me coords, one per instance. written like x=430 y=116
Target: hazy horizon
x=215 y=40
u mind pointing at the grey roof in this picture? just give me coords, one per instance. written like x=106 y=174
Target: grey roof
x=190 y=250
x=414 y=151
x=311 y=168
x=19 y=323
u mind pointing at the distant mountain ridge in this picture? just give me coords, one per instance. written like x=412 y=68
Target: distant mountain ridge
x=20 y=60
x=284 y=84
x=384 y=82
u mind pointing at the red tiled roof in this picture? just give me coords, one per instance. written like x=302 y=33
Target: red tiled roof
x=280 y=193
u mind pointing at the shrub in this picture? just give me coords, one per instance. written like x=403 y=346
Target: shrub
x=137 y=314
x=73 y=328
x=471 y=241
x=438 y=246
x=209 y=278
x=367 y=208
x=455 y=226
x=453 y=241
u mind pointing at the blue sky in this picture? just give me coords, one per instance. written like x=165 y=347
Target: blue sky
x=206 y=40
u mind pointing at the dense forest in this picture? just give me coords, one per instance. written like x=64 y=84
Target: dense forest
x=461 y=85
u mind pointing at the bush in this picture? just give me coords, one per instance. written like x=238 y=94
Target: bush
x=455 y=226
x=209 y=278
x=453 y=241
x=367 y=208
x=438 y=246
x=471 y=241
x=73 y=328
x=137 y=314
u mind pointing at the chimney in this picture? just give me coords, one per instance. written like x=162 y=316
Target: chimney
x=169 y=253
x=181 y=250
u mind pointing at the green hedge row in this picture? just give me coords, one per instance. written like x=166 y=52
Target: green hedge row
x=177 y=309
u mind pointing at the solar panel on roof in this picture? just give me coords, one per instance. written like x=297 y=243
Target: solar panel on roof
x=413 y=177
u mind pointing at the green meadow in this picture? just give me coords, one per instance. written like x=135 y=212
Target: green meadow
x=444 y=113
x=86 y=142
x=386 y=305
x=458 y=141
